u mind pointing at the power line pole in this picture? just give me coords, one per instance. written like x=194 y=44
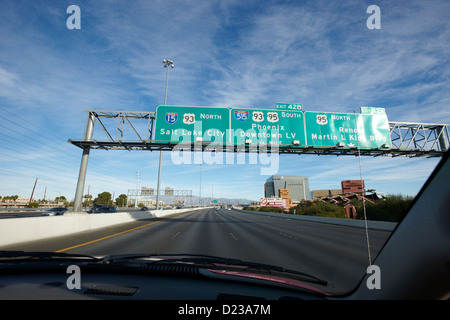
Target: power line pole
x=32 y=193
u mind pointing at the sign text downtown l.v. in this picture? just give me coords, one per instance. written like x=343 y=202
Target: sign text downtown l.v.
x=215 y=125
x=264 y=126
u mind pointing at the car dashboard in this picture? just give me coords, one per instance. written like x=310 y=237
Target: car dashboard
x=52 y=286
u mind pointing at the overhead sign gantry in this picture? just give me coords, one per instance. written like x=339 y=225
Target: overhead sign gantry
x=285 y=130
x=369 y=132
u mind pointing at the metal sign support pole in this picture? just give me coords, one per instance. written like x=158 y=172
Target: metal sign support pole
x=167 y=64
x=84 y=162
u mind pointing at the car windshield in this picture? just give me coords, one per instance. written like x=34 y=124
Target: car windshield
x=290 y=134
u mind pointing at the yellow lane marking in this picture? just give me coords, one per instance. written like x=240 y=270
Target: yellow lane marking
x=110 y=236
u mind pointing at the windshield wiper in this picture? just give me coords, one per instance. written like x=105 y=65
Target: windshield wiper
x=253 y=265
x=212 y=262
x=8 y=256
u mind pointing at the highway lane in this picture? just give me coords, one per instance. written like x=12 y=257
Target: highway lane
x=337 y=254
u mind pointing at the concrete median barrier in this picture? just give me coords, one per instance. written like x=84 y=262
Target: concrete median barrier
x=18 y=230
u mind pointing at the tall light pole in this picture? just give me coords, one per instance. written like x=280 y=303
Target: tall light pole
x=167 y=64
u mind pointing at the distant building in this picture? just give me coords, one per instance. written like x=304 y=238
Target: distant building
x=298 y=187
x=284 y=194
x=20 y=202
x=317 y=194
x=23 y=202
x=348 y=187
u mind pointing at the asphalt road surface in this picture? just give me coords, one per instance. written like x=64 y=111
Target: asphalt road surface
x=337 y=254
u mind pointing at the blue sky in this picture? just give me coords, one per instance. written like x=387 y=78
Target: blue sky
x=226 y=53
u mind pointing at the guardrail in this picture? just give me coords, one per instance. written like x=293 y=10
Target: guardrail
x=371 y=224
x=23 y=209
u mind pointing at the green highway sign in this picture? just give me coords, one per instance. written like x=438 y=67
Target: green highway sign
x=369 y=129
x=348 y=130
x=271 y=127
x=289 y=106
x=191 y=124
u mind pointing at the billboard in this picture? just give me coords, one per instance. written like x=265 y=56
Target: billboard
x=273 y=202
x=352 y=186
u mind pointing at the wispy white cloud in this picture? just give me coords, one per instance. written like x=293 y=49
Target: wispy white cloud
x=226 y=53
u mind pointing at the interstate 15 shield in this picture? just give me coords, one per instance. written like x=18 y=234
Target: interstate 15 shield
x=171 y=117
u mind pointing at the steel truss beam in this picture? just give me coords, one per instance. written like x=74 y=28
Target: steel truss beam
x=183 y=194
x=134 y=131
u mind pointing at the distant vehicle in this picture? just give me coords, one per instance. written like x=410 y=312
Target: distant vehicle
x=101 y=209
x=54 y=212
x=144 y=209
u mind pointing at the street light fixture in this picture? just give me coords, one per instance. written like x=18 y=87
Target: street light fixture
x=167 y=63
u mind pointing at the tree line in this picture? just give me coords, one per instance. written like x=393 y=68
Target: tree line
x=9 y=198
x=391 y=208
x=105 y=199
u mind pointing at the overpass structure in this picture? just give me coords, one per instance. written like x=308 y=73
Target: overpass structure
x=168 y=192
x=136 y=130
